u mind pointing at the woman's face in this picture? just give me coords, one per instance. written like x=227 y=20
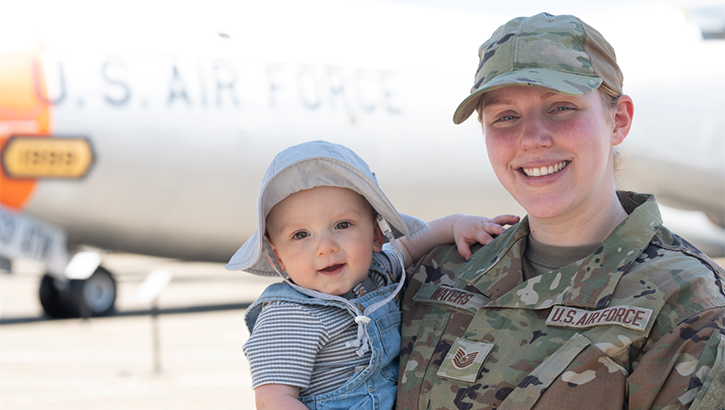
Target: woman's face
x=551 y=151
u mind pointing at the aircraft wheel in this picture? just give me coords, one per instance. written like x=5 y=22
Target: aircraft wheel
x=50 y=298
x=94 y=296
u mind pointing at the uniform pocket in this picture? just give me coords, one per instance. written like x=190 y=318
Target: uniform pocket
x=419 y=359
x=420 y=350
x=712 y=393
x=528 y=392
x=577 y=372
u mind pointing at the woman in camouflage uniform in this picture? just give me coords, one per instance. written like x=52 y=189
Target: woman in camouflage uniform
x=588 y=302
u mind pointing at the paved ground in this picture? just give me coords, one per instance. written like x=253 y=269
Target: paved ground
x=108 y=363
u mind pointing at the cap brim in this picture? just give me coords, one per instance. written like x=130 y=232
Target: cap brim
x=556 y=81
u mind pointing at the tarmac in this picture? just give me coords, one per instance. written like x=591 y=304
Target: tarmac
x=110 y=363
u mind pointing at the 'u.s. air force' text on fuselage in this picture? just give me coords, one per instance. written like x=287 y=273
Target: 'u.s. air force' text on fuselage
x=159 y=82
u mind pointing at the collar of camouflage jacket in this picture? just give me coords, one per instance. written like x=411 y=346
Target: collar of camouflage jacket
x=496 y=269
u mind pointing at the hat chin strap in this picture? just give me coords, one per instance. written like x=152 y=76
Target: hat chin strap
x=362 y=341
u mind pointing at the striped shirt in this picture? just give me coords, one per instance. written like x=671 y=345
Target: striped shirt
x=304 y=346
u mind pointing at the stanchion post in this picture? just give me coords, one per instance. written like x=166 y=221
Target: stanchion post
x=155 y=335
x=149 y=292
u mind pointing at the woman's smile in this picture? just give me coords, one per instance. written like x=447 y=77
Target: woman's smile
x=544 y=170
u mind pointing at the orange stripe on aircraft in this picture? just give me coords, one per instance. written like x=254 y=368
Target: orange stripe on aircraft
x=21 y=112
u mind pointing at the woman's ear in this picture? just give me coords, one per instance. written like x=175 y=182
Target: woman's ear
x=623 y=115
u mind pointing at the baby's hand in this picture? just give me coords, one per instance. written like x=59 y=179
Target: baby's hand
x=468 y=229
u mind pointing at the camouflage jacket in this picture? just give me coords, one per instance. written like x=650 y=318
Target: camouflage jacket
x=638 y=324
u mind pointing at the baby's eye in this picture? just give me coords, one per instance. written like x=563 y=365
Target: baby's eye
x=300 y=235
x=342 y=225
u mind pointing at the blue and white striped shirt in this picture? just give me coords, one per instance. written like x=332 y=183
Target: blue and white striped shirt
x=304 y=346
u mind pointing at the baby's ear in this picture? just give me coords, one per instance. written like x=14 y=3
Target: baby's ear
x=276 y=255
x=378 y=239
x=281 y=264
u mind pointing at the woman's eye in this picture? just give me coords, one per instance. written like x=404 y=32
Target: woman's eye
x=505 y=118
x=342 y=225
x=300 y=235
x=562 y=108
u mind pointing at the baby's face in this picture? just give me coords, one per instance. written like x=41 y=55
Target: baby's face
x=324 y=238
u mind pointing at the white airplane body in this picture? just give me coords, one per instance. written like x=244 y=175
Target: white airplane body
x=158 y=148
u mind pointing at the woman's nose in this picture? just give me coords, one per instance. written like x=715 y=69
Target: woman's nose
x=535 y=133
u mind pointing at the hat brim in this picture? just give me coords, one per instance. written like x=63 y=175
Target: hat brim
x=556 y=81
x=251 y=258
x=310 y=172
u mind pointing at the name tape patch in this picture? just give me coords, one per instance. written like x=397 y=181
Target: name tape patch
x=446 y=295
x=631 y=317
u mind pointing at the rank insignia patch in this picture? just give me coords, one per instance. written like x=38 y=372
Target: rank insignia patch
x=464 y=360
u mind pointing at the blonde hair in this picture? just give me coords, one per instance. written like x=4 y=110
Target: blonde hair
x=610 y=98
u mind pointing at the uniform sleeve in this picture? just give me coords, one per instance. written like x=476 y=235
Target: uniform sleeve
x=283 y=346
x=685 y=368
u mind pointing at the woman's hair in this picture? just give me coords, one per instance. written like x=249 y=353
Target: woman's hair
x=609 y=96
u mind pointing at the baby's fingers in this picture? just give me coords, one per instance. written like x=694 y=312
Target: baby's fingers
x=505 y=219
x=489 y=228
x=464 y=245
x=464 y=248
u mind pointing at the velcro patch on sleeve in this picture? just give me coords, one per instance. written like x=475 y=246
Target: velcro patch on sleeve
x=464 y=360
x=446 y=295
x=631 y=317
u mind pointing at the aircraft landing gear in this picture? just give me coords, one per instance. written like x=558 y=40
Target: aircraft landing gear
x=94 y=296
x=50 y=297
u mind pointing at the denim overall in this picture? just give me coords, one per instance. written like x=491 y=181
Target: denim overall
x=374 y=387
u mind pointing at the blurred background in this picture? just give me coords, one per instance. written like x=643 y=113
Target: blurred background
x=133 y=136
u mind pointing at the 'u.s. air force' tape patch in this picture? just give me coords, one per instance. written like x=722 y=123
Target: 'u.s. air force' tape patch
x=631 y=317
x=463 y=362
x=446 y=295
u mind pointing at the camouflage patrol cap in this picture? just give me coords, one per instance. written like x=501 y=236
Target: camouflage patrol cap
x=558 y=53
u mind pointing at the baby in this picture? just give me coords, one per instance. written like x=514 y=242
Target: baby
x=329 y=335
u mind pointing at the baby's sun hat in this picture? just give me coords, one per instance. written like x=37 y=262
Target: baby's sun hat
x=308 y=165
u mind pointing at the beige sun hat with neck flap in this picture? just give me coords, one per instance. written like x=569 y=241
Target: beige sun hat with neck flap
x=309 y=165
